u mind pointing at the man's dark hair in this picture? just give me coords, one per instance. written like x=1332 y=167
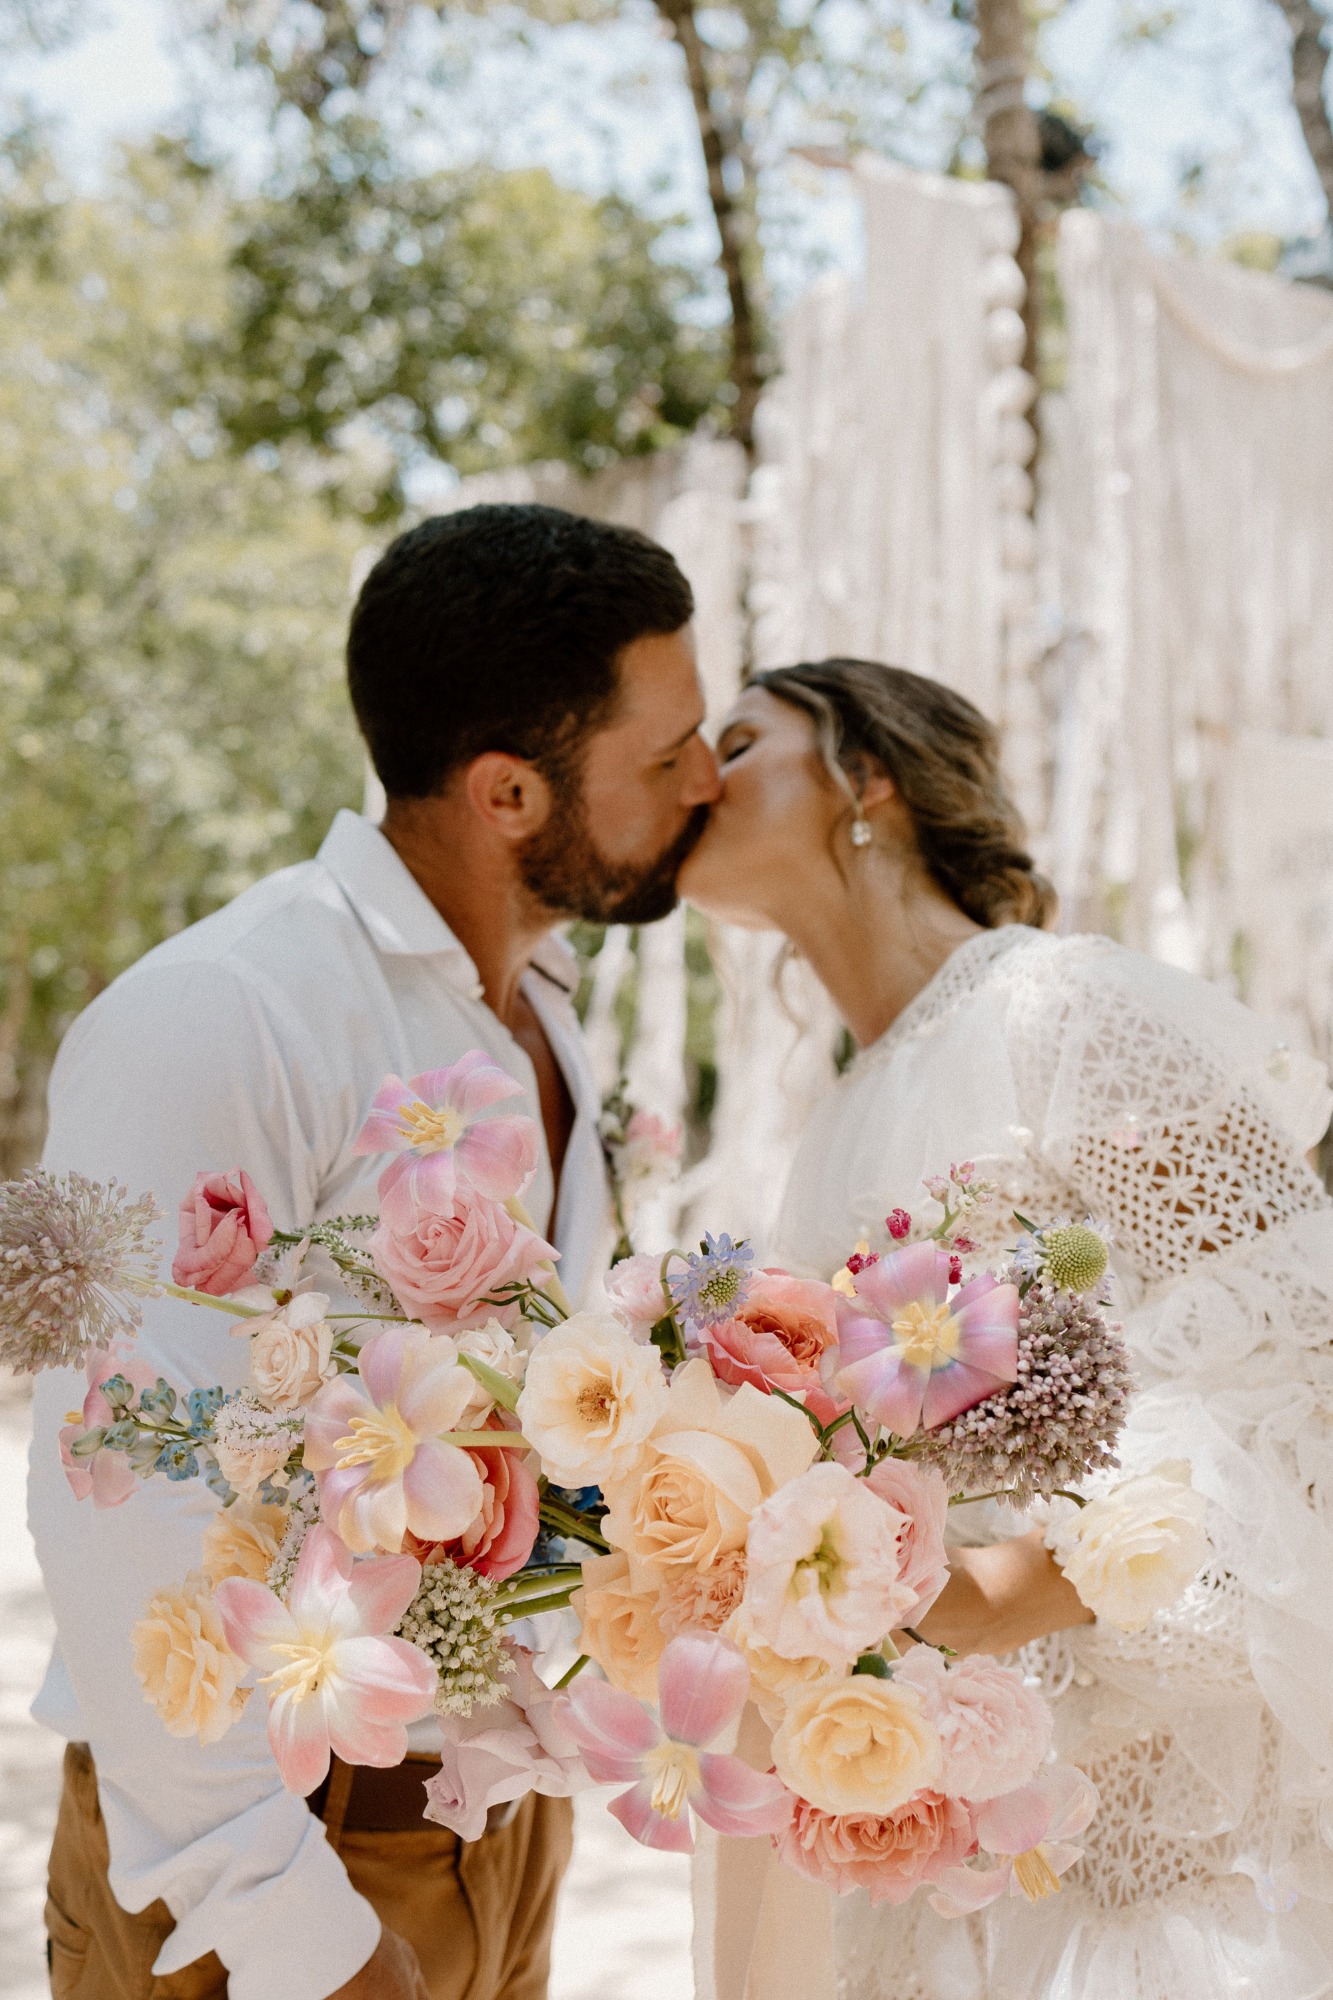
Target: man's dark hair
x=498 y=628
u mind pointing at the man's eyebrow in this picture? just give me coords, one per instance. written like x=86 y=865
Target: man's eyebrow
x=683 y=739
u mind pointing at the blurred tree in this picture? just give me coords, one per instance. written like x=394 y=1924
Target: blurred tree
x=172 y=720
x=1309 y=71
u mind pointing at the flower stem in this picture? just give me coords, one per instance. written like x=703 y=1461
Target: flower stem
x=570 y=1672
x=191 y=1297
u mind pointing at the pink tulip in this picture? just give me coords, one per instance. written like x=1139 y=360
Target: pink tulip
x=909 y=1354
x=500 y=1538
x=376 y=1443
x=223 y=1227
x=435 y=1124
x=107 y=1477
x=702 y=1686
x=1030 y=1831
x=334 y=1680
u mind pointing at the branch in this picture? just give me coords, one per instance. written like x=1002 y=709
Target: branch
x=1309 y=65
x=746 y=372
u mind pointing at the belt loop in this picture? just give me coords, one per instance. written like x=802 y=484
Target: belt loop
x=336 y=1798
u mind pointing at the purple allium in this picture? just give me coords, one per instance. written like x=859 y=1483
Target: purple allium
x=1057 y=1422
x=73 y=1263
x=715 y=1282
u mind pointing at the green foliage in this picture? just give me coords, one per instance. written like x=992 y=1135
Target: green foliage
x=172 y=721
x=484 y=318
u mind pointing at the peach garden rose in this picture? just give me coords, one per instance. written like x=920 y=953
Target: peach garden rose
x=858 y=1745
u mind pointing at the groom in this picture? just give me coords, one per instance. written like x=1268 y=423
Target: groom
x=526 y=685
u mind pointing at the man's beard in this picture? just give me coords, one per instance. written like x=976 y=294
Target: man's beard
x=564 y=869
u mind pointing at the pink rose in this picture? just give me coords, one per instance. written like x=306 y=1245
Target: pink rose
x=499 y=1541
x=778 y=1337
x=503 y=1752
x=441 y=1263
x=890 y=1854
x=994 y=1730
x=107 y=1477
x=922 y=1497
x=224 y=1225
x=634 y=1291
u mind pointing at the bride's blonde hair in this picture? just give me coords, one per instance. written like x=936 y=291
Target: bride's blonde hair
x=944 y=759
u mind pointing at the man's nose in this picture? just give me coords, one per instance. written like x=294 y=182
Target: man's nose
x=703 y=781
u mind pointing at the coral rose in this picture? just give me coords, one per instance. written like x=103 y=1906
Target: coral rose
x=994 y=1730
x=188 y=1671
x=778 y=1337
x=590 y=1397
x=442 y=1263
x=858 y=1745
x=619 y=1625
x=708 y=1464
x=223 y=1227
x=921 y=1496
x=889 y=1854
x=243 y=1540
x=499 y=1540
x=291 y=1351
x=824 y=1561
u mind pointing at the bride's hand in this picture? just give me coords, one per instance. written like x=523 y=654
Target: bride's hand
x=1000 y=1597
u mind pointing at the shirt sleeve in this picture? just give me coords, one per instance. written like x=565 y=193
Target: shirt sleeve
x=178 y=1068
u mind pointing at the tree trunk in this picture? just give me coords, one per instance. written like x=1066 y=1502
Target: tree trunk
x=1309 y=64
x=1013 y=143
x=747 y=373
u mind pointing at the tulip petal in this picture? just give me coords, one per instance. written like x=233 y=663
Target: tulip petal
x=443 y=1492
x=860 y=1336
x=381 y=1361
x=949 y=1391
x=887 y=1388
x=1017 y=1821
x=299 y=1739
x=380 y=1681
x=613 y=1731
x=319 y=1582
x=471 y=1085
x=736 y=1800
x=635 y=1812
x=253 y=1618
x=919 y=1271
x=499 y=1156
x=383 y=1131
x=702 y=1683
x=1074 y=1800
x=435 y=1389
x=380 y=1591
x=960 y=1891
x=327 y=1419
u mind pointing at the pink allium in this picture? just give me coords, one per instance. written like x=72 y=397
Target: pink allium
x=888 y=1854
x=911 y=1355
x=504 y=1751
x=778 y=1337
x=107 y=1477
x=823 y=1554
x=1031 y=1831
x=223 y=1227
x=994 y=1730
x=443 y=1262
x=377 y=1446
x=635 y=1292
x=436 y=1125
x=922 y=1498
x=500 y=1538
x=335 y=1681
x=702 y=1687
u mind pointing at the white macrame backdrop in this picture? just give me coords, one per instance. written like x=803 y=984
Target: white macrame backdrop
x=1193 y=517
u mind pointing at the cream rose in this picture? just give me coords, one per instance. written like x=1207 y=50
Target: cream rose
x=710 y=1461
x=774 y=1681
x=243 y=1540
x=858 y=1745
x=291 y=1352
x=590 y=1397
x=188 y=1671
x=496 y=1346
x=619 y=1626
x=1136 y=1549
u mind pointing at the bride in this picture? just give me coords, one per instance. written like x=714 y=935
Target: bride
x=863 y=815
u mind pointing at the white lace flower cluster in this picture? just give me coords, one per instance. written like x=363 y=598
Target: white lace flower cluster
x=456 y=1622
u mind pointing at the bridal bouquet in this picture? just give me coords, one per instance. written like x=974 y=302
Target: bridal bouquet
x=738 y=1478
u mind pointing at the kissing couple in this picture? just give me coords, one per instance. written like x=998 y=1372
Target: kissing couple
x=526 y=685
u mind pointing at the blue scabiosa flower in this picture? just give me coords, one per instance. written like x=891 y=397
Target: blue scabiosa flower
x=715 y=1282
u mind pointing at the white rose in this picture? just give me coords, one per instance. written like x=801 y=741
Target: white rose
x=245 y=1467
x=1136 y=1549
x=496 y=1346
x=590 y=1399
x=291 y=1351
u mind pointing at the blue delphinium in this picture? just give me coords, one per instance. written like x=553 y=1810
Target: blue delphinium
x=177 y=1460
x=715 y=1282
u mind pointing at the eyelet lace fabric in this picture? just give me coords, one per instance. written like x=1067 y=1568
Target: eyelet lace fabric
x=1088 y=1080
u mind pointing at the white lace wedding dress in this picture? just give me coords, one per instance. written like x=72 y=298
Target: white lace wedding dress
x=1091 y=1081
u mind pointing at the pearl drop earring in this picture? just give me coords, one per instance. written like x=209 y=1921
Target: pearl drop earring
x=861 y=832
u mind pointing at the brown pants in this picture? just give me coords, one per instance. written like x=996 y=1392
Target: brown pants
x=479 y=1913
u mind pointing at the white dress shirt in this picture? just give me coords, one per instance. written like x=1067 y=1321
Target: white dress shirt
x=256 y=1038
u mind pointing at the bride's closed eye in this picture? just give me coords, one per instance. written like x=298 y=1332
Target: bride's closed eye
x=732 y=746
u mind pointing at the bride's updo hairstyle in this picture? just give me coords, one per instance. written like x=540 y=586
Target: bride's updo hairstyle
x=944 y=759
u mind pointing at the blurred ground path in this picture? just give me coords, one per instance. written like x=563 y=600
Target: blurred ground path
x=624 y=1928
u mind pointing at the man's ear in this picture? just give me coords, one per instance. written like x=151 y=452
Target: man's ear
x=507 y=794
